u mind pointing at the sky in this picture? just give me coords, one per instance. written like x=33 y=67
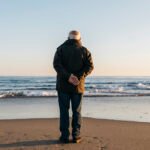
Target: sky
x=117 y=32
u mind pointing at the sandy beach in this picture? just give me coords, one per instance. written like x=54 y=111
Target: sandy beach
x=42 y=134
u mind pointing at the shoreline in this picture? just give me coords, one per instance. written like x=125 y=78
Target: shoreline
x=86 y=96
x=97 y=134
x=57 y=118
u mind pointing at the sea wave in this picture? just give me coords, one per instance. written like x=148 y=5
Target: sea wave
x=143 y=86
x=28 y=94
x=95 y=86
x=94 y=93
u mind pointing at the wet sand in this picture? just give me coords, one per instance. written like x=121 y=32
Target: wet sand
x=42 y=134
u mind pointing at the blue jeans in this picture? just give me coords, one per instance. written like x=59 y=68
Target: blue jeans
x=64 y=105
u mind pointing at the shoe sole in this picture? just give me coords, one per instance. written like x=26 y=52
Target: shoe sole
x=77 y=141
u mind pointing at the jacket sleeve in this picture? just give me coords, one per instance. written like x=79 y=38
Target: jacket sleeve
x=58 y=66
x=88 y=65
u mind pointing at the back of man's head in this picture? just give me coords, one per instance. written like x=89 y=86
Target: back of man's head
x=74 y=35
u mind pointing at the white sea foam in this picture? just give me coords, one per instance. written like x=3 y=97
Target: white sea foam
x=141 y=85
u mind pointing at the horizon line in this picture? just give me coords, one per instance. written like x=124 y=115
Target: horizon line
x=88 y=76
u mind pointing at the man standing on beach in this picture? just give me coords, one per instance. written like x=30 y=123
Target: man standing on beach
x=72 y=62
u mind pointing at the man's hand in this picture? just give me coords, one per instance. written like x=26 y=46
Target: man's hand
x=73 y=80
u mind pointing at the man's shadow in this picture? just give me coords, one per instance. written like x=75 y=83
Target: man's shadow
x=31 y=143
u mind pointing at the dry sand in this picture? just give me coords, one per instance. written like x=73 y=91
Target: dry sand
x=42 y=134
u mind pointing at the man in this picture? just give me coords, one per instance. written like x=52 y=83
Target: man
x=72 y=62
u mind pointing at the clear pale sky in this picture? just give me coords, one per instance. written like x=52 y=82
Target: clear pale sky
x=117 y=32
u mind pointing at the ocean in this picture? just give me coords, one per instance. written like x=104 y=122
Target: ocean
x=117 y=98
x=95 y=86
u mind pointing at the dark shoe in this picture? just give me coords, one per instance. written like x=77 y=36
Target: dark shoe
x=64 y=140
x=76 y=139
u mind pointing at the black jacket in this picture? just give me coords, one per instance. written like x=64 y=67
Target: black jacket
x=72 y=58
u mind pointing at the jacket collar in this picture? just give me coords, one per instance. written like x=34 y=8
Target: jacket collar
x=73 y=42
